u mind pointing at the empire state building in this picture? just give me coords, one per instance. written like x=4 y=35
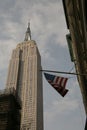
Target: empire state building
x=24 y=75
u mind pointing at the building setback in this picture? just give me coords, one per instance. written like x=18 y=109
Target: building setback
x=25 y=76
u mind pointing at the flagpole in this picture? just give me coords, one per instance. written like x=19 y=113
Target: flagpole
x=64 y=72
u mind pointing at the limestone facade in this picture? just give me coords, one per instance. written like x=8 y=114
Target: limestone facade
x=25 y=76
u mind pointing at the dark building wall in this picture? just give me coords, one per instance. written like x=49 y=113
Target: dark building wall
x=76 y=19
x=9 y=112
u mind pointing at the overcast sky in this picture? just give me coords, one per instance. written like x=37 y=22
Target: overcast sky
x=48 y=27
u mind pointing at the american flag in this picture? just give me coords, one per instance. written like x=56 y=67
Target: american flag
x=57 y=83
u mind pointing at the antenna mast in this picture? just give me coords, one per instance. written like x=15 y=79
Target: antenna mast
x=28 y=33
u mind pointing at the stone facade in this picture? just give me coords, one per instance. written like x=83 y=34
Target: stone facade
x=76 y=19
x=25 y=76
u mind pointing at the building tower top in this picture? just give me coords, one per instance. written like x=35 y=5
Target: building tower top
x=28 y=33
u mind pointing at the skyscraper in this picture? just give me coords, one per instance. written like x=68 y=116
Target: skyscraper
x=25 y=76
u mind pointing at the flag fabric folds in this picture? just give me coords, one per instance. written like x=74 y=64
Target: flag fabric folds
x=58 y=83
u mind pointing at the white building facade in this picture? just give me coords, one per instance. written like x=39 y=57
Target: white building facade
x=25 y=76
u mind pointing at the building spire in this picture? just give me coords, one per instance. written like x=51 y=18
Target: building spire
x=28 y=33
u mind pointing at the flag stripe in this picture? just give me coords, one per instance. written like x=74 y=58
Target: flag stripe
x=64 y=92
x=55 y=79
x=59 y=80
x=57 y=83
x=64 y=82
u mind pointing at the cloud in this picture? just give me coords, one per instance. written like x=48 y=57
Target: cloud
x=48 y=29
x=44 y=26
x=61 y=108
x=59 y=114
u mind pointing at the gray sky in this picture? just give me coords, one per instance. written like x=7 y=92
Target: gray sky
x=48 y=29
